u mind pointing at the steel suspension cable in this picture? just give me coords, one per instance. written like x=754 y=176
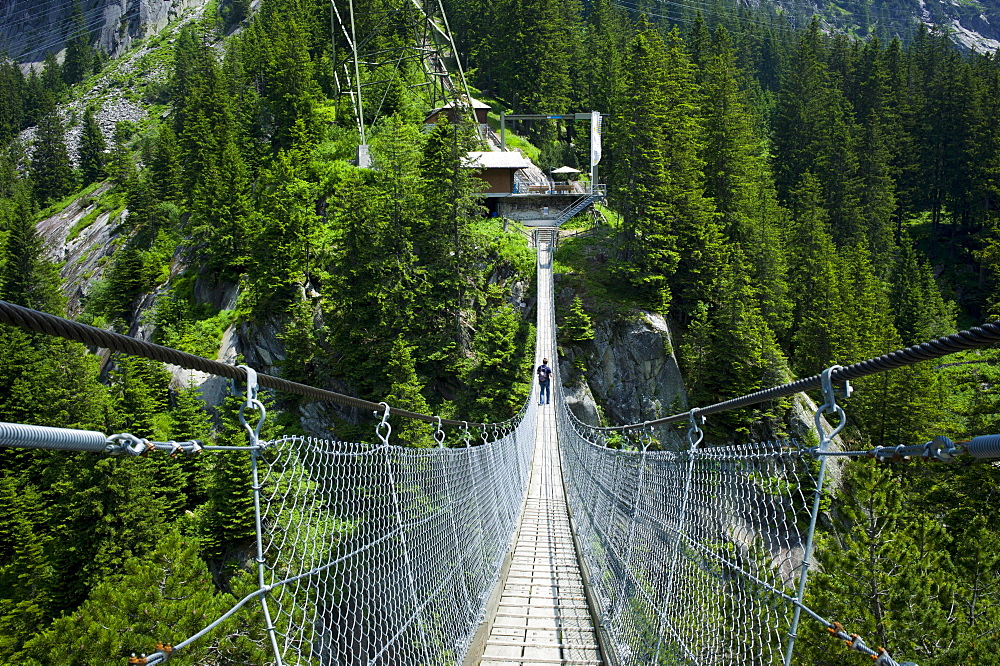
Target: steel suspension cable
x=34 y=321
x=973 y=338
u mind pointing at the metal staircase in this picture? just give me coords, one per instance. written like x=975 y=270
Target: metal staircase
x=578 y=206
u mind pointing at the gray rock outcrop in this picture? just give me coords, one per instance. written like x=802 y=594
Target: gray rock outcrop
x=29 y=29
x=631 y=371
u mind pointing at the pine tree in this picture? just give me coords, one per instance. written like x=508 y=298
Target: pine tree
x=25 y=574
x=26 y=278
x=496 y=378
x=228 y=526
x=699 y=241
x=605 y=43
x=164 y=595
x=291 y=91
x=405 y=392
x=51 y=171
x=920 y=312
x=13 y=90
x=78 y=63
x=166 y=177
x=221 y=209
x=814 y=279
x=639 y=182
x=577 y=326
x=140 y=389
x=881 y=558
x=92 y=149
x=450 y=205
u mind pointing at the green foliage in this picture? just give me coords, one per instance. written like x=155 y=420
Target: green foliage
x=92 y=147
x=672 y=245
x=227 y=527
x=51 y=171
x=78 y=63
x=882 y=557
x=577 y=325
x=163 y=595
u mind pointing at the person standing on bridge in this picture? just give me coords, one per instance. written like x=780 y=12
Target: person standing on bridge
x=544 y=373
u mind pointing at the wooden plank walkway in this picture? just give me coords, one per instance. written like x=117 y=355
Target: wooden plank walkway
x=543 y=616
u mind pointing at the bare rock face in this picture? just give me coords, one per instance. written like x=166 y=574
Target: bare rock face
x=29 y=29
x=630 y=370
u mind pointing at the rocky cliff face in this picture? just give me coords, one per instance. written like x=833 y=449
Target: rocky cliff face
x=973 y=25
x=631 y=372
x=29 y=29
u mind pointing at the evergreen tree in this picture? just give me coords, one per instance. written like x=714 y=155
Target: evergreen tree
x=606 y=33
x=730 y=349
x=228 y=526
x=639 y=182
x=814 y=132
x=577 y=326
x=879 y=561
x=12 y=100
x=450 y=205
x=165 y=175
x=92 y=148
x=814 y=279
x=51 y=85
x=920 y=312
x=164 y=595
x=739 y=180
x=51 y=171
x=699 y=241
x=291 y=90
x=221 y=210
x=26 y=278
x=496 y=379
x=405 y=392
x=78 y=63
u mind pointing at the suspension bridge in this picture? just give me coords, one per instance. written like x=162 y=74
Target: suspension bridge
x=537 y=540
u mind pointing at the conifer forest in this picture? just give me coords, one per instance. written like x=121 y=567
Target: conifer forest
x=787 y=197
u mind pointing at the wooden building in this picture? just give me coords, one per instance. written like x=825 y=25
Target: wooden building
x=497 y=169
x=479 y=108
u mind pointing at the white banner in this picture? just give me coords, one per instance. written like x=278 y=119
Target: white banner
x=595 y=138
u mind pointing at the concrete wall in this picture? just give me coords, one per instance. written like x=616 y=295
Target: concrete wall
x=530 y=207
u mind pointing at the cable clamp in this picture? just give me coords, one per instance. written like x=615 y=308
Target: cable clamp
x=466 y=435
x=384 y=428
x=694 y=433
x=126 y=444
x=439 y=433
x=830 y=406
x=252 y=402
x=941 y=448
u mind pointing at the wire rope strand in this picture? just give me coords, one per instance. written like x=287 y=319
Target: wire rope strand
x=973 y=338
x=34 y=321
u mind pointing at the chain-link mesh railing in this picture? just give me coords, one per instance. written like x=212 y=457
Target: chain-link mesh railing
x=384 y=554
x=686 y=549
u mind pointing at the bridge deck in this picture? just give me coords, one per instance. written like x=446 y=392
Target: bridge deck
x=542 y=616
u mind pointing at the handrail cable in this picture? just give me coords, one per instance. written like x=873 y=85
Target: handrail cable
x=973 y=338
x=34 y=321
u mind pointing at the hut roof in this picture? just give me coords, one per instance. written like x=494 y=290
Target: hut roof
x=510 y=159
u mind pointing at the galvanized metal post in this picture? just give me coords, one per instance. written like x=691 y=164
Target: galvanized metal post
x=829 y=406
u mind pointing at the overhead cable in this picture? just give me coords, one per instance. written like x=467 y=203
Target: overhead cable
x=34 y=321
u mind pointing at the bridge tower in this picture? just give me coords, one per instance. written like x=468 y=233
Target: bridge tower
x=381 y=47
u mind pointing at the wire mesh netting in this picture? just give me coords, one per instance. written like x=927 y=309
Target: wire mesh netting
x=691 y=556
x=384 y=554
